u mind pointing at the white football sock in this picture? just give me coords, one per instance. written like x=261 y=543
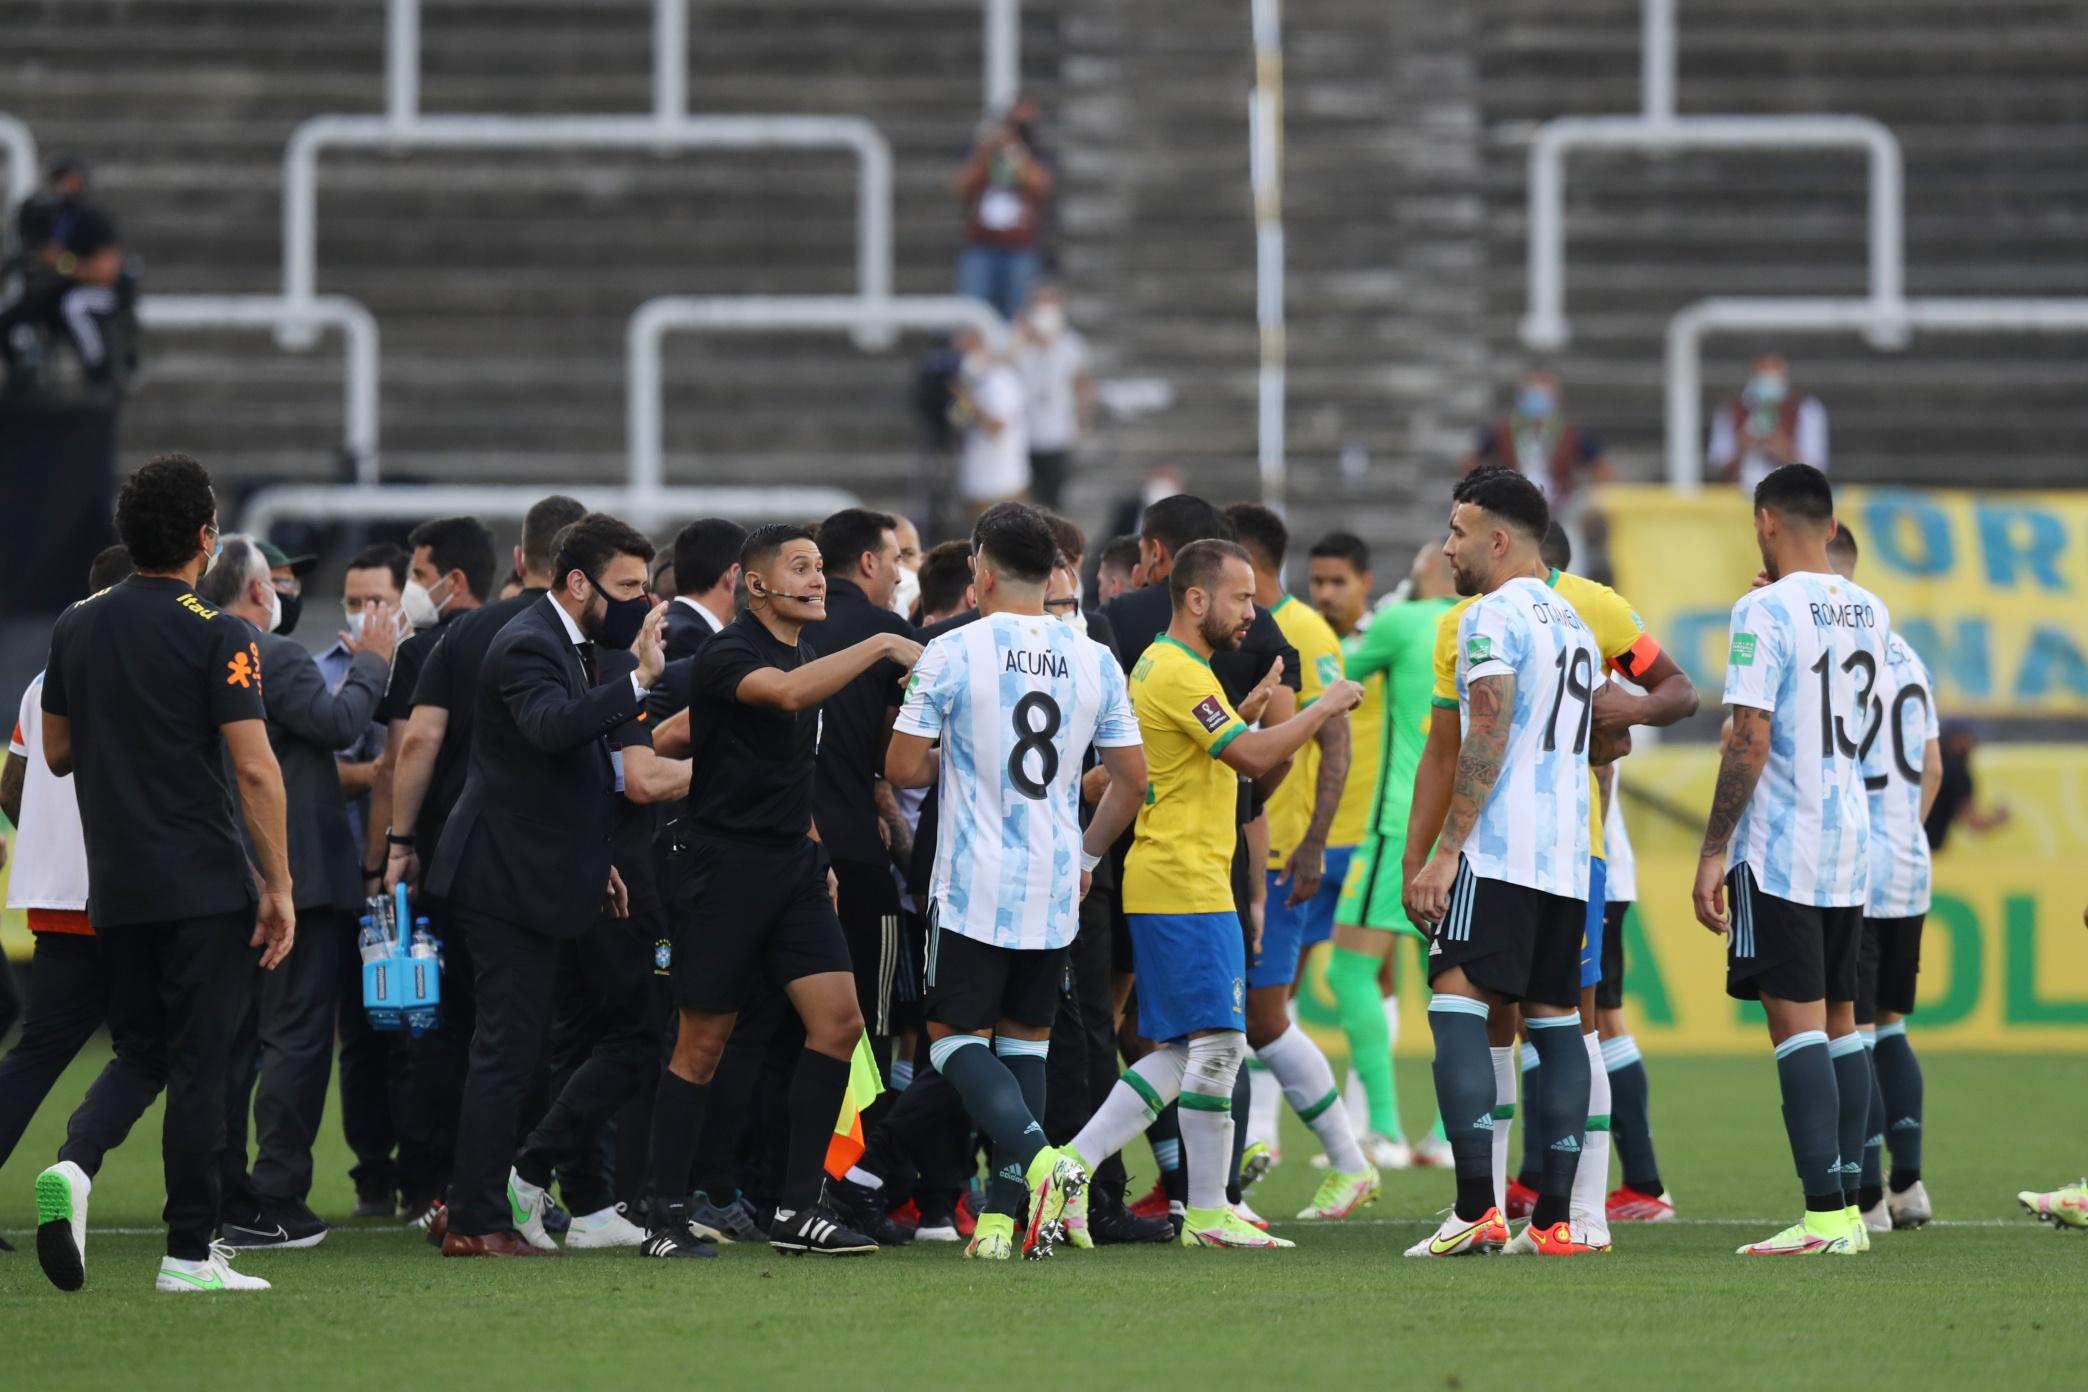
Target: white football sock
x=1308 y=1084
x=1505 y=1078
x=1357 y=1101
x=1213 y=1063
x=1139 y=1096
x=1591 y=1180
x=1264 y=1109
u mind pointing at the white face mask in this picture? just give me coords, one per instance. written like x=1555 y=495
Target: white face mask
x=907 y=592
x=275 y=611
x=419 y=606
x=1049 y=320
x=355 y=624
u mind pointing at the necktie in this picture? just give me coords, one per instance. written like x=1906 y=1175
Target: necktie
x=587 y=662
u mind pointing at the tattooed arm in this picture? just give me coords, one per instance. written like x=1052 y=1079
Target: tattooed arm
x=1489 y=702
x=1742 y=752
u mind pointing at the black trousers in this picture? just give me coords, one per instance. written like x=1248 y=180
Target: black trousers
x=10 y=998
x=868 y=905
x=610 y=1038
x=289 y=1045
x=372 y=1070
x=515 y=973
x=1082 y=1066
x=177 y=992
x=428 y=1091
x=68 y=1001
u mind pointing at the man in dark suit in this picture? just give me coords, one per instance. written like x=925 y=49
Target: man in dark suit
x=289 y=1032
x=706 y=572
x=525 y=861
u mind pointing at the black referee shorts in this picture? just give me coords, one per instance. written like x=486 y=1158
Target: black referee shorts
x=1609 y=992
x=1512 y=940
x=1887 y=965
x=1788 y=951
x=748 y=916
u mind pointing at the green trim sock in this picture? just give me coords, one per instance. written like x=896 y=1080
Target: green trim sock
x=1296 y=1064
x=1208 y=1087
x=1530 y=1173
x=1146 y=1089
x=1353 y=977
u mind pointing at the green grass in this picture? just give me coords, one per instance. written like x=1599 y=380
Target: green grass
x=1986 y=1297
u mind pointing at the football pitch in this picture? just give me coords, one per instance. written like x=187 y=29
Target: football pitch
x=1983 y=1297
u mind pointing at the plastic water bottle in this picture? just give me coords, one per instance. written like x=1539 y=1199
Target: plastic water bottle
x=424 y=944
x=370 y=941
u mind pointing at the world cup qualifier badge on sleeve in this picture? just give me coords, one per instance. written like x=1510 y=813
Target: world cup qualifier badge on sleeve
x=1210 y=713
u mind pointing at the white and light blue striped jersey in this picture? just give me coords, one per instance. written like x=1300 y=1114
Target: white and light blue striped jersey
x=1016 y=700
x=1810 y=650
x=1903 y=721
x=1533 y=829
x=1619 y=861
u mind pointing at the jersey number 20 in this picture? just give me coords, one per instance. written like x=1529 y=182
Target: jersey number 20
x=1036 y=721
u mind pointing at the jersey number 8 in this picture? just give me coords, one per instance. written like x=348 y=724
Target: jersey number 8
x=1033 y=736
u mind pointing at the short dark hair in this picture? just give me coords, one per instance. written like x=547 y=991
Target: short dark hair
x=1346 y=546
x=1796 y=490
x=764 y=542
x=1066 y=535
x=458 y=543
x=1018 y=540
x=160 y=510
x=1178 y=520
x=1121 y=553
x=383 y=556
x=1843 y=542
x=945 y=573
x=1261 y=531
x=1508 y=495
x=844 y=537
x=1556 y=548
x=1198 y=565
x=112 y=564
x=595 y=540
x=546 y=518
x=703 y=551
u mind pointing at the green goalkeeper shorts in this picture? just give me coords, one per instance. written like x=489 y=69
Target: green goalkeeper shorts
x=1370 y=893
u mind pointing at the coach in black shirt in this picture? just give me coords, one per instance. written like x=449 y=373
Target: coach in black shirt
x=860 y=553
x=525 y=861
x=147 y=691
x=706 y=572
x=752 y=906
x=290 y=1033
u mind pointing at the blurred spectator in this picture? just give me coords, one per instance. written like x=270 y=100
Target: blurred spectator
x=1059 y=392
x=908 y=591
x=1536 y=437
x=994 y=465
x=1161 y=481
x=1117 y=569
x=1005 y=187
x=286 y=574
x=1766 y=427
x=946 y=583
x=1955 y=797
x=67 y=282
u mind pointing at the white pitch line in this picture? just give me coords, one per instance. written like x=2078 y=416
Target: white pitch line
x=2026 y=1224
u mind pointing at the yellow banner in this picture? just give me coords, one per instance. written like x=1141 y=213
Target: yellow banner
x=1990 y=588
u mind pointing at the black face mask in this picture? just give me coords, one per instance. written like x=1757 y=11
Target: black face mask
x=293 y=605
x=621 y=619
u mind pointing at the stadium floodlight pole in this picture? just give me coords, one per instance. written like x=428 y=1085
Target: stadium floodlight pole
x=399 y=502
x=1686 y=331
x=1002 y=43
x=1265 y=161
x=873 y=156
x=20 y=146
x=656 y=318
x=359 y=371
x=1659 y=130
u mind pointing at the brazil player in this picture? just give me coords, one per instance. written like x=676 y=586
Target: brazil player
x=1668 y=696
x=1304 y=881
x=1393 y=660
x=1785 y=866
x=1015 y=700
x=1178 y=898
x=1507 y=885
x=1903 y=735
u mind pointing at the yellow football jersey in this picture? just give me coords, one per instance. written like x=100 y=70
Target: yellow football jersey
x=1366 y=741
x=1319 y=665
x=1182 y=847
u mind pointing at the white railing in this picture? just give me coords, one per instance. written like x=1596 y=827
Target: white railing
x=1265 y=165
x=1686 y=331
x=359 y=370
x=656 y=318
x=1658 y=129
x=20 y=146
x=649 y=511
x=1002 y=79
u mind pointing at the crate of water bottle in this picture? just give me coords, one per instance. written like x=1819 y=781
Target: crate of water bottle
x=401 y=966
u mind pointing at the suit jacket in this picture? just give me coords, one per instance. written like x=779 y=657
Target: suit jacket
x=529 y=840
x=684 y=631
x=309 y=723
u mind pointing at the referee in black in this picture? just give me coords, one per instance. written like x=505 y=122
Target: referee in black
x=147 y=692
x=754 y=903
